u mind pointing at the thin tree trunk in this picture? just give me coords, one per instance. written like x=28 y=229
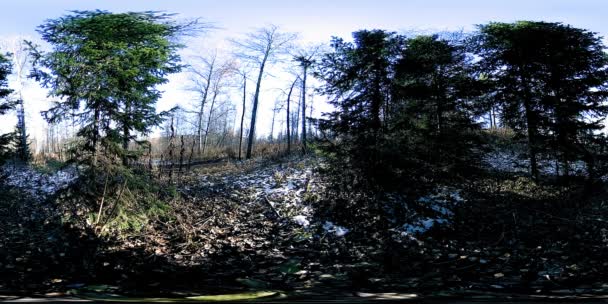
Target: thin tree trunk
x=304 y=107
x=171 y=145
x=182 y=151
x=95 y=136
x=297 y=123
x=274 y=114
x=310 y=128
x=531 y=126
x=288 y=110
x=243 y=114
x=255 y=108
x=125 y=136
x=191 y=153
x=23 y=155
x=150 y=157
x=209 y=121
x=202 y=108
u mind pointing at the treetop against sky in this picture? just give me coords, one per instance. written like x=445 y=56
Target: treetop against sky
x=316 y=21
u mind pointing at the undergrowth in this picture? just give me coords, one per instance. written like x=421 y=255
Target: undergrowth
x=117 y=201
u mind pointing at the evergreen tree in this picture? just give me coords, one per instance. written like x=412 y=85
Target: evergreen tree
x=436 y=94
x=20 y=138
x=550 y=80
x=575 y=90
x=5 y=106
x=358 y=78
x=105 y=68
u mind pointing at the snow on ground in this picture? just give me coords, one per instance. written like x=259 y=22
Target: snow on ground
x=422 y=225
x=301 y=220
x=513 y=162
x=440 y=204
x=39 y=185
x=284 y=186
x=335 y=229
x=506 y=161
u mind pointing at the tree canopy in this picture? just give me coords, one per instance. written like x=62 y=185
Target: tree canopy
x=550 y=81
x=105 y=69
x=5 y=104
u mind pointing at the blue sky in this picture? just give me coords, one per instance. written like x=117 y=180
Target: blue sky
x=315 y=20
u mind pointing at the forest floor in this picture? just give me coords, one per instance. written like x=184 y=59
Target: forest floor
x=265 y=226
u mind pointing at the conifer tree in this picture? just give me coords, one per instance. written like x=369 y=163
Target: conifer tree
x=5 y=106
x=105 y=68
x=550 y=80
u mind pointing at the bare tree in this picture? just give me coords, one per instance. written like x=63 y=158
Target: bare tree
x=201 y=83
x=261 y=48
x=310 y=125
x=242 y=72
x=305 y=58
x=288 y=102
x=277 y=108
x=296 y=120
x=219 y=78
x=209 y=78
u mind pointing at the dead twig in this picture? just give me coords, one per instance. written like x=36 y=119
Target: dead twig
x=103 y=197
x=267 y=201
x=113 y=209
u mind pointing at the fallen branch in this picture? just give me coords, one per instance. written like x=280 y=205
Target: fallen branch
x=276 y=212
x=113 y=209
x=103 y=197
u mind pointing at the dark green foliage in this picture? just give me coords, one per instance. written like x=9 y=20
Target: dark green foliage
x=358 y=77
x=436 y=104
x=116 y=200
x=550 y=81
x=20 y=138
x=5 y=106
x=106 y=67
x=5 y=71
x=404 y=106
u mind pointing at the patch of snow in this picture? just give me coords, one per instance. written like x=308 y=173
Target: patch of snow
x=37 y=184
x=506 y=161
x=335 y=229
x=301 y=220
x=441 y=202
x=422 y=226
x=513 y=162
x=284 y=185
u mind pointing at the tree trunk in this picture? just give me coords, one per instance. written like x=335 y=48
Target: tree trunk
x=209 y=122
x=310 y=126
x=182 y=152
x=294 y=131
x=304 y=107
x=288 y=110
x=531 y=126
x=254 y=110
x=171 y=146
x=95 y=136
x=23 y=149
x=125 y=135
x=274 y=114
x=202 y=108
x=243 y=114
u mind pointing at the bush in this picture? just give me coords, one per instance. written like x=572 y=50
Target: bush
x=117 y=201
